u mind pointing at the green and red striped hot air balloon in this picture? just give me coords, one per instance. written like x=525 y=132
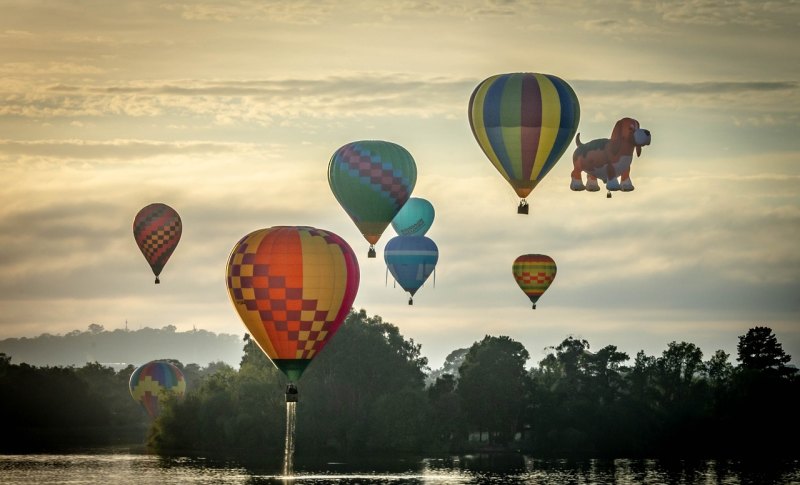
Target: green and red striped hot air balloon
x=372 y=180
x=157 y=229
x=534 y=273
x=524 y=123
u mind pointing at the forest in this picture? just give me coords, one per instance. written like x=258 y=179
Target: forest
x=371 y=391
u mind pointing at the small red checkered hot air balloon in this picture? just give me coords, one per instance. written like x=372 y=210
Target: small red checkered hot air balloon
x=157 y=230
x=292 y=286
x=534 y=273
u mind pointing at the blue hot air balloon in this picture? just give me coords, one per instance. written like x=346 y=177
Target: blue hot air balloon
x=414 y=218
x=411 y=259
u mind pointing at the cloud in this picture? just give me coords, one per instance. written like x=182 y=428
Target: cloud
x=763 y=15
x=120 y=149
x=271 y=101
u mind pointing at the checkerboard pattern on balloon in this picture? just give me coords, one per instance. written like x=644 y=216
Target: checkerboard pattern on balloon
x=282 y=282
x=157 y=229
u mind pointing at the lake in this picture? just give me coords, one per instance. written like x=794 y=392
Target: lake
x=121 y=466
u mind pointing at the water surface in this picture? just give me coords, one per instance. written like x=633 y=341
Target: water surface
x=120 y=467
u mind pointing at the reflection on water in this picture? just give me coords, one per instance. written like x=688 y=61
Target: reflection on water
x=123 y=467
x=288 y=448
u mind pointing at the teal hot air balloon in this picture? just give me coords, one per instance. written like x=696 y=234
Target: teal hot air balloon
x=411 y=260
x=414 y=218
x=372 y=180
x=524 y=123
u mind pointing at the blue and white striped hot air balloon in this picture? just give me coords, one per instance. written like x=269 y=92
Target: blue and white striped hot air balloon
x=411 y=260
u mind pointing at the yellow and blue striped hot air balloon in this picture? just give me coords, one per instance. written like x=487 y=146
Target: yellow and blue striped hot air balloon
x=524 y=123
x=534 y=274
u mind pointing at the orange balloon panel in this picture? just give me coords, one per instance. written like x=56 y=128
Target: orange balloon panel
x=292 y=288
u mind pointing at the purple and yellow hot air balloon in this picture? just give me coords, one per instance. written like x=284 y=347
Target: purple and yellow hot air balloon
x=524 y=123
x=157 y=230
x=292 y=287
x=153 y=382
x=534 y=273
x=372 y=180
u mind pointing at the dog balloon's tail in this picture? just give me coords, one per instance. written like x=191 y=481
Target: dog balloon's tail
x=578 y=139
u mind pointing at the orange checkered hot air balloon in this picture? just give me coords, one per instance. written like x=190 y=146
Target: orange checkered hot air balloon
x=534 y=273
x=292 y=287
x=157 y=230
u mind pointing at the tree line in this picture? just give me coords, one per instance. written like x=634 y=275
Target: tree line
x=371 y=391
x=118 y=347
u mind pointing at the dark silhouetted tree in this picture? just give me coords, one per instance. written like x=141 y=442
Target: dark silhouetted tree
x=493 y=387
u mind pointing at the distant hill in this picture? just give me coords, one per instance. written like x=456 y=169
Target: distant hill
x=119 y=348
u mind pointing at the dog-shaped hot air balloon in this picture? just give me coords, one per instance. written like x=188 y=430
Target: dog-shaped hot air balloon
x=609 y=159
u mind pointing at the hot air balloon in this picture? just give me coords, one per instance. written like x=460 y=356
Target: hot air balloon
x=372 y=180
x=154 y=381
x=157 y=230
x=524 y=122
x=414 y=218
x=534 y=273
x=292 y=287
x=411 y=259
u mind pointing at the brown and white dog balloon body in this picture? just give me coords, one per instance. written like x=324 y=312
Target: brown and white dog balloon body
x=609 y=159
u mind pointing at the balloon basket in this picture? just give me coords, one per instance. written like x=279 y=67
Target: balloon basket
x=291 y=393
x=410 y=301
x=371 y=252
x=523 y=207
x=608 y=195
x=534 y=306
x=158 y=282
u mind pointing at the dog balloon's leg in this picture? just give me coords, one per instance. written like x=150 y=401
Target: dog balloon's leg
x=626 y=185
x=591 y=183
x=576 y=179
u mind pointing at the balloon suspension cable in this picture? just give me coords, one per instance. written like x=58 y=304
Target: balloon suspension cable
x=434 y=277
x=386 y=283
x=410 y=300
x=371 y=252
x=523 y=207
x=158 y=282
x=291 y=392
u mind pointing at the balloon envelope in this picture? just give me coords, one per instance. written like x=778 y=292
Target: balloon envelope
x=534 y=273
x=524 y=122
x=414 y=218
x=411 y=259
x=157 y=229
x=154 y=381
x=372 y=180
x=292 y=287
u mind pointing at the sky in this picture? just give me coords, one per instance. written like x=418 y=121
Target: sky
x=229 y=111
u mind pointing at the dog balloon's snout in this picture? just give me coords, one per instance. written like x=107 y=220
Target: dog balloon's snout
x=641 y=137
